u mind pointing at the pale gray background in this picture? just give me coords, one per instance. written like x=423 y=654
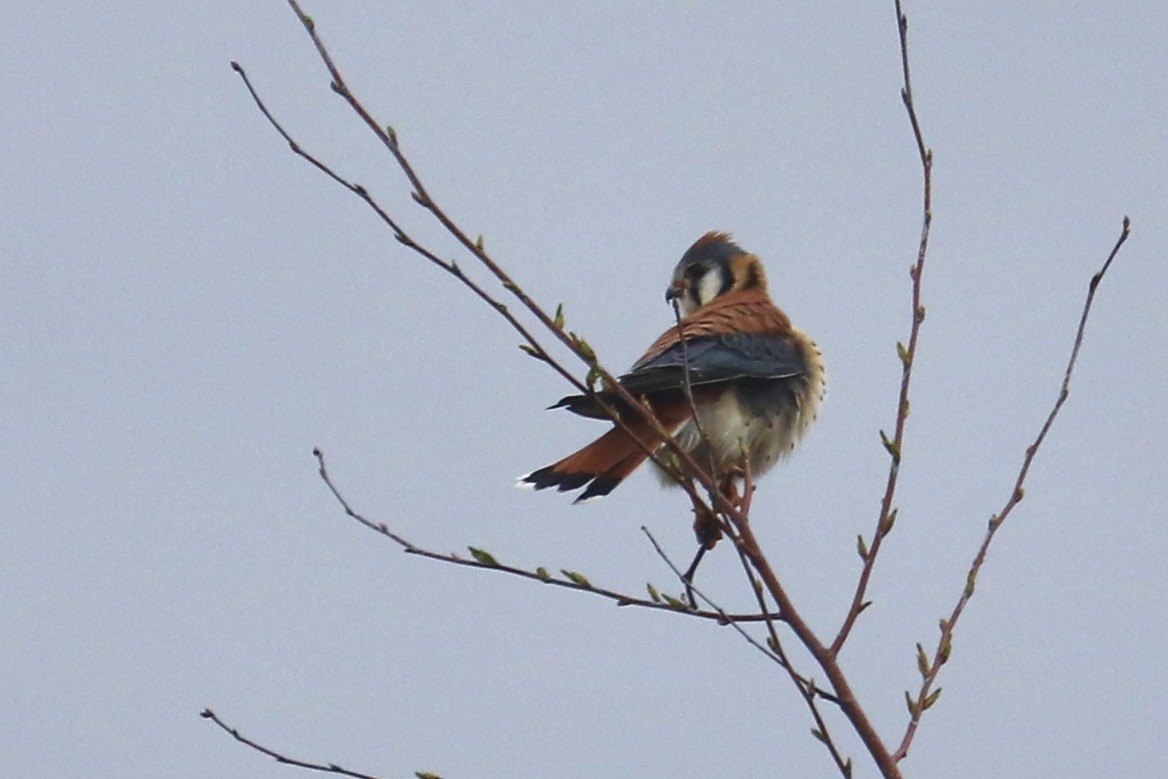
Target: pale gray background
x=187 y=309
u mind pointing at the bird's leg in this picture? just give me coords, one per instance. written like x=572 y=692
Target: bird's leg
x=687 y=577
x=707 y=527
x=708 y=531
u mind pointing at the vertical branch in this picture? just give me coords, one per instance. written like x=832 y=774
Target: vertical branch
x=907 y=353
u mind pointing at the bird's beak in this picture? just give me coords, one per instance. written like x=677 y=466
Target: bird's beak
x=675 y=291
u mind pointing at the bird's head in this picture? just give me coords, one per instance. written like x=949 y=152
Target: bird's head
x=713 y=266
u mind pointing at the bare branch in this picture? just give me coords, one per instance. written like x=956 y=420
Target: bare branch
x=728 y=619
x=721 y=503
x=823 y=654
x=724 y=507
x=330 y=768
x=808 y=690
x=773 y=651
x=540 y=574
x=687 y=387
x=405 y=239
x=578 y=346
x=907 y=354
x=930 y=669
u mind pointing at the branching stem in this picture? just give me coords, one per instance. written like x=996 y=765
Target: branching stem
x=731 y=513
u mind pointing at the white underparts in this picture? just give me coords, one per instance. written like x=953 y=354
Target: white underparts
x=765 y=426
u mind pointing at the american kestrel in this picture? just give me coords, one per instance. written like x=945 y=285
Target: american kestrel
x=757 y=381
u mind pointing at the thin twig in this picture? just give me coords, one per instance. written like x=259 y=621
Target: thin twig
x=700 y=517
x=539 y=574
x=775 y=654
x=329 y=768
x=907 y=354
x=729 y=619
x=721 y=502
x=807 y=687
x=536 y=349
x=930 y=669
x=404 y=238
x=388 y=138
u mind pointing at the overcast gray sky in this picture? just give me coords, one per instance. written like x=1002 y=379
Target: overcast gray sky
x=186 y=309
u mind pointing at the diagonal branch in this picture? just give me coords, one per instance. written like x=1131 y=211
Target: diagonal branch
x=330 y=768
x=572 y=580
x=730 y=620
x=532 y=346
x=577 y=345
x=399 y=233
x=823 y=654
x=723 y=505
x=773 y=650
x=931 y=668
x=807 y=688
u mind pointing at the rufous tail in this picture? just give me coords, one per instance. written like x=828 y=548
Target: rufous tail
x=600 y=466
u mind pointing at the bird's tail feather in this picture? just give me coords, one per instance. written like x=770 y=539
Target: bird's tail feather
x=601 y=465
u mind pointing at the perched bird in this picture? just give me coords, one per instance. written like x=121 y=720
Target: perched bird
x=757 y=382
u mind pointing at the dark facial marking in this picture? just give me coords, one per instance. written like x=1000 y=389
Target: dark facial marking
x=716 y=248
x=752 y=279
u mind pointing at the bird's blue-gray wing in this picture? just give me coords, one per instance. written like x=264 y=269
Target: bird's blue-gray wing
x=717 y=358
x=712 y=359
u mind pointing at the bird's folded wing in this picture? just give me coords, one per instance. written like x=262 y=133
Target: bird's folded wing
x=716 y=358
x=712 y=359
